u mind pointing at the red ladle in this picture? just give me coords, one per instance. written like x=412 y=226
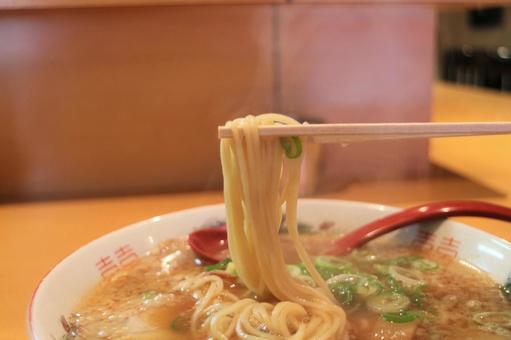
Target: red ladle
x=211 y=243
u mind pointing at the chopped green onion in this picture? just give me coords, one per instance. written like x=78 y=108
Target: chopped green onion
x=304 y=228
x=497 y=330
x=180 y=324
x=506 y=291
x=401 y=317
x=343 y=292
x=328 y=271
x=218 y=266
x=424 y=315
x=388 y=303
x=408 y=277
x=424 y=265
x=294 y=270
x=381 y=268
x=499 y=319
x=418 y=297
x=402 y=260
x=305 y=279
x=364 y=285
x=394 y=285
x=149 y=295
x=302 y=268
x=332 y=262
x=288 y=148
x=369 y=286
x=231 y=269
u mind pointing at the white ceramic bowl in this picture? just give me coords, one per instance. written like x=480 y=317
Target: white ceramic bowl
x=60 y=290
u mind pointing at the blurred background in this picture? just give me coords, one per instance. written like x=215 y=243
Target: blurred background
x=121 y=100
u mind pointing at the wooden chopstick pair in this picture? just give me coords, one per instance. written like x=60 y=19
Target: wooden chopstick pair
x=348 y=133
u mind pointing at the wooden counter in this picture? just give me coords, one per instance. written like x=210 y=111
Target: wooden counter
x=38 y=4
x=487 y=159
x=35 y=236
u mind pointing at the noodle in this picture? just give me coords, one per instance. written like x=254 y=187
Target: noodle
x=258 y=181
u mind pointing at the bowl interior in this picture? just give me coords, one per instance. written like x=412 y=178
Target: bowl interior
x=67 y=282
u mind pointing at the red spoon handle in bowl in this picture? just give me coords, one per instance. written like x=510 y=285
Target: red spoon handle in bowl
x=421 y=213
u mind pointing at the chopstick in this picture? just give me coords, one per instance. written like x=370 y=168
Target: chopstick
x=345 y=133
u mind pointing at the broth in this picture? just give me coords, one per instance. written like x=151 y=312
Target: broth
x=388 y=293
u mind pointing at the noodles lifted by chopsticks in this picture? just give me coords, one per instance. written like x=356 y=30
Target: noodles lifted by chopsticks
x=261 y=176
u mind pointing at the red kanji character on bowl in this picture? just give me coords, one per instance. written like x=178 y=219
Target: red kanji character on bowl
x=106 y=265
x=125 y=254
x=449 y=246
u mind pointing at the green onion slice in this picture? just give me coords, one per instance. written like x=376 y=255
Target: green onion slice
x=287 y=142
x=497 y=330
x=218 y=266
x=408 y=277
x=388 y=303
x=401 y=317
x=394 y=284
x=180 y=324
x=330 y=266
x=149 y=295
x=343 y=292
x=328 y=270
x=294 y=270
x=307 y=280
x=365 y=285
x=424 y=265
x=369 y=286
x=500 y=319
x=332 y=262
x=381 y=268
x=231 y=269
x=418 y=297
x=302 y=268
x=402 y=260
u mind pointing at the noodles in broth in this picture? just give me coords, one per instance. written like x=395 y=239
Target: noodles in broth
x=260 y=177
x=388 y=291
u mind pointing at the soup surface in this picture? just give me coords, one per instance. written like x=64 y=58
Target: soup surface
x=388 y=293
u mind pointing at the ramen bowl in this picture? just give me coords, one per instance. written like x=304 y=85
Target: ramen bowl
x=62 y=288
